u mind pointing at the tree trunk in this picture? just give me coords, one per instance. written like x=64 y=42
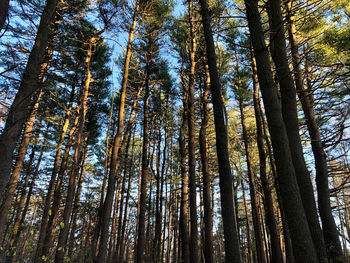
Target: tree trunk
x=158 y=225
x=194 y=252
x=253 y=202
x=290 y=118
x=63 y=236
x=141 y=238
x=258 y=231
x=21 y=203
x=286 y=234
x=250 y=255
x=184 y=236
x=17 y=229
x=20 y=109
x=50 y=191
x=48 y=241
x=208 y=212
x=232 y=249
x=330 y=232
x=12 y=185
x=304 y=250
x=4 y=9
x=276 y=252
x=75 y=211
x=107 y=206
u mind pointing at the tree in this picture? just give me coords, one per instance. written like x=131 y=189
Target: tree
x=4 y=7
x=20 y=108
x=228 y=212
x=301 y=237
x=330 y=232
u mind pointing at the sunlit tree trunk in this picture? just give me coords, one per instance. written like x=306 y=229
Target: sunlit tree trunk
x=183 y=228
x=107 y=205
x=48 y=242
x=63 y=236
x=194 y=251
x=51 y=188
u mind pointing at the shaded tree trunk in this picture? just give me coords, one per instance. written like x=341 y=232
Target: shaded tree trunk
x=276 y=252
x=290 y=118
x=20 y=109
x=232 y=249
x=12 y=185
x=141 y=237
x=208 y=211
x=303 y=247
x=256 y=221
x=21 y=203
x=258 y=231
x=75 y=211
x=18 y=228
x=158 y=206
x=4 y=9
x=250 y=255
x=330 y=232
x=286 y=234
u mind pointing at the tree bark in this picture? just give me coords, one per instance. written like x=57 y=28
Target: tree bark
x=253 y=202
x=304 y=250
x=158 y=206
x=12 y=185
x=290 y=118
x=258 y=231
x=208 y=212
x=232 y=249
x=286 y=234
x=48 y=241
x=107 y=206
x=23 y=207
x=184 y=238
x=20 y=109
x=4 y=9
x=330 y=232
x=75 y=211
x=194 y=251
x=250 y=255
x=22 y=199
x=276 y=252
x=63 y=236
x=50 y=191
x=141 y=238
